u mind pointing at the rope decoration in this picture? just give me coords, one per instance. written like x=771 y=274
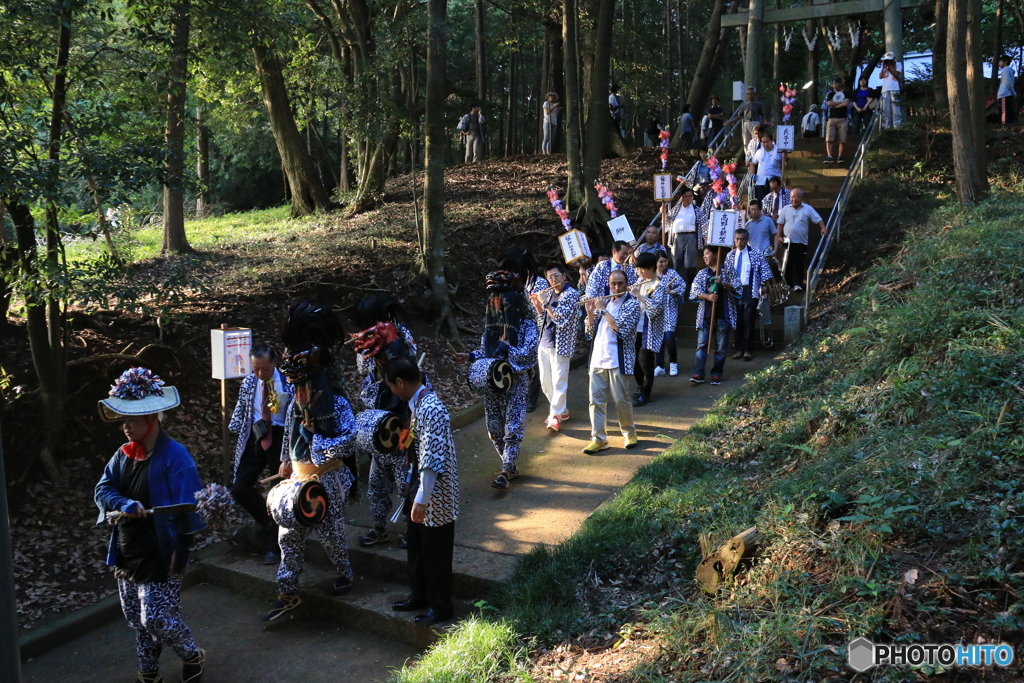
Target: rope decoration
x=811 y=44
x=787 y=34
x=834 y=37
x=854 y=32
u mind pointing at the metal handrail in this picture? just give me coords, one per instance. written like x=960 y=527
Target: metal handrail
x=832 y=226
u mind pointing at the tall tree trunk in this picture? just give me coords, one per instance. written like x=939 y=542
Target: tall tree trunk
x=307 y=190
x=969 y=169
x=481 y=56
x=175 y=240
x=574 y=193
x=939 y=57
x=513 y=100
x=44 y=313
x=433 y=183
x=599 y=118
x=703 y=76
x=976 y=84
x=771 y=91
x=202 y=163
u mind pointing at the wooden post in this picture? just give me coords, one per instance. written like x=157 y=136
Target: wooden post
x=225 y=450
x=752 y=58
x=711 y=325
x=664 y=224
x=893 y=18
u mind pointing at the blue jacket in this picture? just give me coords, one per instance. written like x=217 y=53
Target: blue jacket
x=173 y=479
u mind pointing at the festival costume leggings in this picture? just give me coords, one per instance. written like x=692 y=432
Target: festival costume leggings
x=387 y=472
x=154 y=611
x=331 y=532
x=505 y=414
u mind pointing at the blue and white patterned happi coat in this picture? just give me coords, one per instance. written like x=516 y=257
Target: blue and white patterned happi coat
x=700 y=286
x=673 y=281
x=626 y=320
x=654 y=316
x=597 y=283
x=760 y=272
x=567 y=321
x=241 y=419
x=435 y=450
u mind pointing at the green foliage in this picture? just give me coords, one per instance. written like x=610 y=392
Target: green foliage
x=914 y=463
x=477 y=651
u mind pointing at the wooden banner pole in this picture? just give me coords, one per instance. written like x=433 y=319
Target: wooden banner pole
x=711 y=326
x=229 y=475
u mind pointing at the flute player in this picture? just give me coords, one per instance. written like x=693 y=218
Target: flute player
x=611 y=323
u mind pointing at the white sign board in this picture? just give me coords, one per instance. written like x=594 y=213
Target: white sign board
x=574 y=246
x=723 y=225
x=662 y=187
x=738 y=91
x=619 y=227
x=230 y=350
x=786 y=138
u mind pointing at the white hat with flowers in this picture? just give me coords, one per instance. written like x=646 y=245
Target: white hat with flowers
x=137 y=392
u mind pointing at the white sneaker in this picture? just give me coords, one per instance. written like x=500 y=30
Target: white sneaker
x=659 y=371
x=673 y=369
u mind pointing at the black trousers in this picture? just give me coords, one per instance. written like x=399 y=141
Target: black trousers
x=430 y=563
x=761 y=191
x=746 y=318
x=795 y=269
x=251 y=465
x=643 y=368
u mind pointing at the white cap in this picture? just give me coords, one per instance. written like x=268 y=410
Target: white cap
x=888 y=56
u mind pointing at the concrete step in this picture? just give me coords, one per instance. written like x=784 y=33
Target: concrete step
x=366 y=608
x=240 y=649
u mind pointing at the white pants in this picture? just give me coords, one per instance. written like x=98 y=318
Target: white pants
x=892 y=112
x=554 y=378
x=605 y=385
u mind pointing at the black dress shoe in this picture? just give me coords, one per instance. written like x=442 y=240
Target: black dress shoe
x=640 y=400
x=530 y=407
x=433 y=616
x=410 y=605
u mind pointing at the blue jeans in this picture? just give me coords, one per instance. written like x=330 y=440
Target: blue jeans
x=721 y=346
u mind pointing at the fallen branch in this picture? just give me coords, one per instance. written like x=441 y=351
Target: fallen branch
x=102 y=358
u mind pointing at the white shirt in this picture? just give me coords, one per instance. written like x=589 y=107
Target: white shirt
x=811 y=121
x=796 y=222
x=606 y=342
x=551 y=112
x=743 y=266
x=769 y=164
x=685 y=219
x=257 y=401
x=890 y=84
x=1006 y=78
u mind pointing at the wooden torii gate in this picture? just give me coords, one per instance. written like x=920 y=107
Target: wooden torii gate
x=756 y=17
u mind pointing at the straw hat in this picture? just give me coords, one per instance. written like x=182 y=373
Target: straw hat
x=137 y=392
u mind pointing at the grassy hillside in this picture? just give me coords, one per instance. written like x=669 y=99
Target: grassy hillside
x=882 y=458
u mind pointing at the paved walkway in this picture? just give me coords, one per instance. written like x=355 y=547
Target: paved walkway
x=559 y=489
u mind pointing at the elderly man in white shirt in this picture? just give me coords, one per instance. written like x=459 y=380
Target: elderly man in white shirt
x=794 y=226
